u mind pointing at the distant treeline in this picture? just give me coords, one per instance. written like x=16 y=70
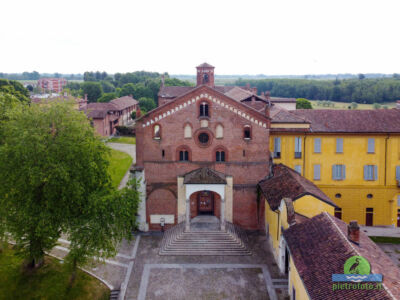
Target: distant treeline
x=143 y=86
x=36 y=75
x=361 y=90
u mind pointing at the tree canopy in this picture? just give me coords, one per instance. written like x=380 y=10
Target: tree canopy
x=93 y=90
x=302 y=103
x=367 y=90
x=50 y=164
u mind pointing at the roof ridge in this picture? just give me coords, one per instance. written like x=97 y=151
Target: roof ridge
x=355 y=250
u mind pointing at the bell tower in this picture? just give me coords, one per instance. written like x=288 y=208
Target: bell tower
x=205 y=75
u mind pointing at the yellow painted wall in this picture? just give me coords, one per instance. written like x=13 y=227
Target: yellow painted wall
x=310 y=206
x=272 y=218
x=296 y=282
x=354 y=188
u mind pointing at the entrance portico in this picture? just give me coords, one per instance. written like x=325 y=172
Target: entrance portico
x=204 y=181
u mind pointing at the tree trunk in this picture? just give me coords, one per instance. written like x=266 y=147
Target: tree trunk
x=73 y=274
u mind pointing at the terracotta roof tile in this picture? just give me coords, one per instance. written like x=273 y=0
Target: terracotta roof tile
x=98 y=110
x=205 y=65
x=287 y=183
x=319 y=248
x=124 y=102
x=204 y=176
x=281 y=115
x=349 y=121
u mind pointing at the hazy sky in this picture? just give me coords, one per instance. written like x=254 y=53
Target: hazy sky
x=237 y=37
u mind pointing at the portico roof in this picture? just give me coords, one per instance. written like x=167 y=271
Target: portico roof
x=204 y=176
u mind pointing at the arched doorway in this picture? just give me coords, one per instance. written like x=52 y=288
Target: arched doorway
x=205 y=203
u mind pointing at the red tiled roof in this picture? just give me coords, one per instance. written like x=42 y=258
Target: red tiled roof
x=287 y=183
x=238 y=93
x=99 y=110
x=349 y=121
x=281 y=115
x=319 y=248
x=176 y=91
x=282 y=100
x=124 y=102
x=205 y=65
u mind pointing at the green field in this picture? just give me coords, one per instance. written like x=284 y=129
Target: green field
x=385 y=239
x=345 y=105
x=119 y=165
x=123 y=140
x=48 y=282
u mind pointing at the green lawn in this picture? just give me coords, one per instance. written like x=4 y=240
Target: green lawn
x=123 y=140
x=385 y=239
x=48 y=282
x=343 y=105
x=119 y=165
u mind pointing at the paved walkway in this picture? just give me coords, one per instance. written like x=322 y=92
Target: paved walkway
x=381 y=231
x=129 y=149
x=204 y=277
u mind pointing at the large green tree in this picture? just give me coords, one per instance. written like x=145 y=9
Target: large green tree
x=106 y=219
x=50 y=163
x=146 y=104
x=302 y=103
x=93 y=90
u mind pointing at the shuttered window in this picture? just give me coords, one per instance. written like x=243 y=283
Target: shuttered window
x=317 y=145
x=317 y=172
x=297 y=147
x=370 y=172
x=277 y=147
x=339 y=145
x=338 y=172
x=371 y=145
x=297 y=168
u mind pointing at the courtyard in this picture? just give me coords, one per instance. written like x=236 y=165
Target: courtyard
x=253 y=276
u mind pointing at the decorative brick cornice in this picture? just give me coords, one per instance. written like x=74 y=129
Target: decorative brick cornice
x=216 y=101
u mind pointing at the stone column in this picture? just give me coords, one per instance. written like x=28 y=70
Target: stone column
x=187 y=225
x=222 y=218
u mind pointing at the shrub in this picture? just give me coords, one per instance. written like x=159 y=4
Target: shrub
x=125 y=130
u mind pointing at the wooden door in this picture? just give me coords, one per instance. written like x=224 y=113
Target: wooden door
x=369 y=219
x=205 y=203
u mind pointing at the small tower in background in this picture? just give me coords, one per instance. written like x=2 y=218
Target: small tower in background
x=205 y=75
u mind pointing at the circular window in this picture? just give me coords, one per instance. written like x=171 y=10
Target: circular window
x=204 y=138
x=338 y=195
x=369 y=196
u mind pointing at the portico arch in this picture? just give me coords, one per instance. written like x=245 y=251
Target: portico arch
x=204 y=179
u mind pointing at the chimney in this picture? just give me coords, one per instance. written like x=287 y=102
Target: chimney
x=353 y=232
x=248 y=86
x=267 y=95
x=162 y=80
x=262 y=94
x=254 y=90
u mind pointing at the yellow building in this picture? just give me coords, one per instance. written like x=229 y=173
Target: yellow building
x=353 y=156
x=319 y=247
x=289 y=199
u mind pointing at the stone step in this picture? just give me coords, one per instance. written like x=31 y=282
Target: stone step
x=176 y=241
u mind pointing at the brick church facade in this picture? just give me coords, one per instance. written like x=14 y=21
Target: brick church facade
x=203 y=150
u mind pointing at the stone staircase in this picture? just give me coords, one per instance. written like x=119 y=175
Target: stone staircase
x=176 y=241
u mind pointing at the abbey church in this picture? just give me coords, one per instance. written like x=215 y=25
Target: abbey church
x=207 y=150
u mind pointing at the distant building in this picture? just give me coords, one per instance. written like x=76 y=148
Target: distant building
x=52 y=84
x=44 y=99
x=107 y=116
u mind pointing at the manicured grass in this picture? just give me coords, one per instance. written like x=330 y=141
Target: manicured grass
x=119 y=165
x=385 y=239
x=345 y=105
x=48 y=282
x=123 y=140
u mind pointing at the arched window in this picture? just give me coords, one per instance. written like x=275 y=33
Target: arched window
x=204 y=109
x=247 y=132
x=187 y=131
x=219 y=132
x=183 y=155
x=157 y=132
x=220 y=155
